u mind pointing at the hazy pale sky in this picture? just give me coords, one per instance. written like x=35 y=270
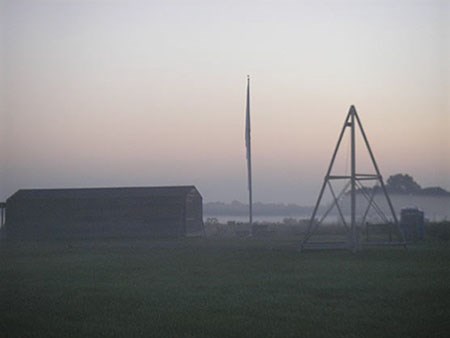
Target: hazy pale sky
x=124 y=93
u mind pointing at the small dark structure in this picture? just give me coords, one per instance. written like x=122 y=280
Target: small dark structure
x=150 y=211
x=412 y=222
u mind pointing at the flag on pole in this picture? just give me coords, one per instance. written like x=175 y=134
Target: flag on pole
x=249 y=150
x=247 y=121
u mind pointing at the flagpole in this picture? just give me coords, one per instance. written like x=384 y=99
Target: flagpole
x=249 y=153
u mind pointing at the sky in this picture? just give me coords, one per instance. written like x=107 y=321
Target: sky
x=142 y=93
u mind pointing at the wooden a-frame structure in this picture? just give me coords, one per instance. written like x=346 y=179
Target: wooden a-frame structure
x=352 y=121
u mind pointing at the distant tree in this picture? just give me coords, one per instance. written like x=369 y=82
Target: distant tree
x=289 y=221
x=402 y=184
x=435 y=191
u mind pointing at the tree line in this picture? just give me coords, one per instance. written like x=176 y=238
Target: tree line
x=405 y=184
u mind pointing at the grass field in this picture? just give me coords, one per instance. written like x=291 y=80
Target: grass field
x=221 y=288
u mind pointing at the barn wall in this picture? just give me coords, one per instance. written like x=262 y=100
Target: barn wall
x=194 y=213
x=158 y=216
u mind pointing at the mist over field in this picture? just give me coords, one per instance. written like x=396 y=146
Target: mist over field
x=152 y=101
x=436 y=208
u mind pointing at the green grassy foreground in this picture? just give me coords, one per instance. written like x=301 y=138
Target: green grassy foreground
x=221 y=288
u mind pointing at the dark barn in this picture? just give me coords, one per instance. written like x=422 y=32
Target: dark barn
x=150 y=211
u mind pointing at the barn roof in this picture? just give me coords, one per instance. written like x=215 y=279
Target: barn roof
x=168 y=191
